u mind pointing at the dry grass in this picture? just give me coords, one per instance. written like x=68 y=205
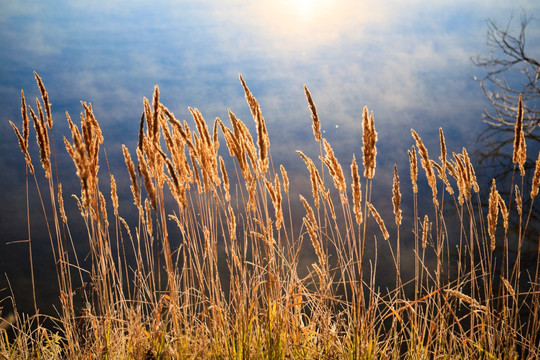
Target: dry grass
x=232 y=283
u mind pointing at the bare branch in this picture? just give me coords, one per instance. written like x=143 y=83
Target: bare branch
x=509 y=73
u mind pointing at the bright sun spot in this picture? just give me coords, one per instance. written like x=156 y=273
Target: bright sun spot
x=307 y=10
x=306 y=22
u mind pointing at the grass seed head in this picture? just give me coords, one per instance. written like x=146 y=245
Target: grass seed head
x=45 y=99
x=262 y=135
x=356 y=191
x=314 y=177
x=369 y=139
x=536 y=178
x=519 y=200
x=148 y=184
x=493 y=211
x=426 y=164
x=285 y=179
x=425 y=230
x=334 y=167
x=25 y=119
x=232 y=223
x=114 y=195
x=133 y=176
x=61 y=205
x=396 y=198
x=314 y=116
x=413 y=164
x=24 y=147
x=519 y=155
x=42 y=139
x=379 y=221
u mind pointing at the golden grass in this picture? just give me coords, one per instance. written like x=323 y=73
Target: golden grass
x=235 y=280
x=493 y=213
x=396 y=197
x=519 y=155
x=356 y=191
x=426 y=164
x=369 y=138
x=536 y=178
x=314 y=116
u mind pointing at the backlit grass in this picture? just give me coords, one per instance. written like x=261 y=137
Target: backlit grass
x=213 y=267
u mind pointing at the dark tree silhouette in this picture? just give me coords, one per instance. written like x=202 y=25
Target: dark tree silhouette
x=510 y=71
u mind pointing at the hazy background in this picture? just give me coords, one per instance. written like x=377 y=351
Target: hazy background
x=408 y=61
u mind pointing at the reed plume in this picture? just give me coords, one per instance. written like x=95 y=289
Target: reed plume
x=133 y=176
x=460 y=174
x=61 y=205
x=103 y=210
x=23 y=139
x=316 y=243
x=444 y=162
x=504 y=211
x=285 y=179
x=379 y=221
x=519 y=200
x=148 y=184
x=396 y=197
x=471 y=175
x=275 y=196
x=536 y=178
x=314 y=116
x=310 y=214
x=425 y=230
x=42 y=139
x=232 y=223
x=465 y=298
x=334 y=168
x=148 y=218
x=369 y=138
x=519 y=155
x=45 y=99
x=413 y=163
x=85 y=152
x=493 y=212
x=114 y=195
x=314 y=177
x=356 y=191
x=509 y=289
x=262 y=135
x=225 y=177
x=426 y=164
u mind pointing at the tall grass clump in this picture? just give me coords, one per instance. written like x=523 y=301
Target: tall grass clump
x=213 y=265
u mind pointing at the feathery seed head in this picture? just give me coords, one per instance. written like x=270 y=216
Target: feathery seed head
x=357 y=192
x=413 y=168
x=285 y=179
x=369 y=139
x=396 y=198
x=334 y=167
x=379 y=221
x=425 y=230
x=426 y=164
x=314 y=116
x=493 y=211
x=519 y=155
x=536 y=178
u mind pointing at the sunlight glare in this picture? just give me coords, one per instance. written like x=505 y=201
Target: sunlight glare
x=307 y=10
x=306 y=23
